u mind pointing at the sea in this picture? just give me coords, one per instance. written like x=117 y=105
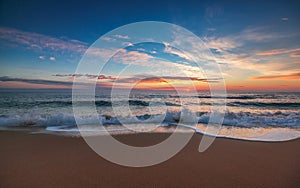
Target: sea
x=256 y=116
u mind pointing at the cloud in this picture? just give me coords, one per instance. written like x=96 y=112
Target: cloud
x=132 y=57
x=52 y=58
x=108 y=39
x=161 y=66
x=171 y=50
x=47 y=83
x=284 y=19
x=277 y=51
x=149 y=78
x=141 y=78
x=12 y=82
x=283 y=76
x=39 y=42
x=222 y=44
x=253 y=34
x=259 y=34
x=295 y=54
x=232 y=52
x=122 y=36
x=46 y=44
x=89 y=76
x=127 y=44
x=41 y=57
x=114 y=38
x=35 y=81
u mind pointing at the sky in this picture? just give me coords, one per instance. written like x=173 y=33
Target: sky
x=252 y=45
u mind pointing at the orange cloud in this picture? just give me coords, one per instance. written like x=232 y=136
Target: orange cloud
x=283 y=76
x=295 y=54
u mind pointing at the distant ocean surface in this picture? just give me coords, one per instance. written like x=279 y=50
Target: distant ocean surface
x=261 y=116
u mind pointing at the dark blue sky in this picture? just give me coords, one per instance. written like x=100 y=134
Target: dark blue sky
x=86 y=20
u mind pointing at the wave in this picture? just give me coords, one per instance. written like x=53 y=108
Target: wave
x=98 y=103
x=256 y=104
x=240 y=119
x=276 y=126
x=253 y=134
x=214 y=97
x=228 y=97
x=264 y=104
x=142 y=103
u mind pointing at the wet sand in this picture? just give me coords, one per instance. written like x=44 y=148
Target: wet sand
x=39 y=160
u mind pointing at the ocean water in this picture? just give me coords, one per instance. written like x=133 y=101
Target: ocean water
x=261 y=116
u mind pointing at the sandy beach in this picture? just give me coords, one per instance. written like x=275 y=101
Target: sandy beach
x=39 y=160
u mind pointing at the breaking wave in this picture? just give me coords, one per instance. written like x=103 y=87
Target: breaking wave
x=241 y=122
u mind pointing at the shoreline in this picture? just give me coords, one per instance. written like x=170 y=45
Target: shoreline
x=44 y=160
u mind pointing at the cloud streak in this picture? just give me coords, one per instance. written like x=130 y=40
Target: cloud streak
x=121 y=82
x=35 y=81
x=283 y=76
x=39 y=42
x=151 y=79
x=49 y=83
x=89 y=76
x=277 y=51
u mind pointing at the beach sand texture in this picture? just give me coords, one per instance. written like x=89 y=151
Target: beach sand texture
x=38 y=160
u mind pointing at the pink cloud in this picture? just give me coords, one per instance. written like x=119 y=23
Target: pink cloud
x=295 y=54
x=39 y=42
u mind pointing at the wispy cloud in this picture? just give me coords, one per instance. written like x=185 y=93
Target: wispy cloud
x=43 y=43
x=53 y=46
x=35 y=81
x=277 y=51
x=242 y=51
x=39 y=42
x=259 y=34
x=114 y=38
x=122 y=36
x=133 y=57
x=253 y=34
x=108 y=39
x=295 y=54
x=152 y=63
x=11 y=81
x=282 y=76
x=222 y=44
x=172 y=50
x=166 y=79
x=89 y=76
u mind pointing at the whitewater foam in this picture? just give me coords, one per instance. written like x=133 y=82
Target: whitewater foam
x=278 y=126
